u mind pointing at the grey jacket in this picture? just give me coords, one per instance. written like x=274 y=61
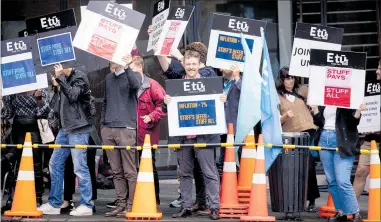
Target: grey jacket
x=74 y=99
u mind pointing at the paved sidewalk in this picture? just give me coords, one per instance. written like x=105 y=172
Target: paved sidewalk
x=168 y=193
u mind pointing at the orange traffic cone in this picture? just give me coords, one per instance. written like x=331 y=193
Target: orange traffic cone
x=229 y=205
x=258 y=198
x=24 y=202
x=374 y=185
x=144 y=204
x=328 y=210
x=246 y=171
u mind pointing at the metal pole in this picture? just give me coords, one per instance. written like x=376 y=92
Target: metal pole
x=323 y=7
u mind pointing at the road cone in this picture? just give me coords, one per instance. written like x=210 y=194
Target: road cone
x=246 y=171
x=229 y=205
x=374 y=185
x=328 y=210
x=24 y=202
x=144 y=204
x=258 y=199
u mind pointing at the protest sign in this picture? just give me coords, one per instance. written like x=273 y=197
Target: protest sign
x=108 y=30
x=173 y=29
x=195 y=107
x=160 y=14
x=370 y=118
x=56 y=49
x=17 y=68
x=225 y=47
x=50 y=22
x=309 y=36
x=338 y=78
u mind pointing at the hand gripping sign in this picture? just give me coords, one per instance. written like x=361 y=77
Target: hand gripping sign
x=17 y=68
x=338 y=78
x=195 y=107
x=309 y=36
x=108 y=30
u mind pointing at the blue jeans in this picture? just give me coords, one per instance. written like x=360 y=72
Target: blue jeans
x=338 y=172
x=81 y=170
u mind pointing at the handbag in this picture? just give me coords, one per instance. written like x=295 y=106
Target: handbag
x=45 y=131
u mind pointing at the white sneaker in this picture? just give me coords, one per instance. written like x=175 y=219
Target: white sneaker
x=49 y=209
x=82 y=210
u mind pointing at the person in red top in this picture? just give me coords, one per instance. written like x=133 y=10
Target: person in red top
x=150 y=98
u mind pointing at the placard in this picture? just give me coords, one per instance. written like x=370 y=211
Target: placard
x=225 y=47
x=308 y=36
x=173 y=29
x=160 y=15
x=370 y=117
x=108 y=30
x=338 y=78
x=56 y=49
x=50 y=22
x=17 y=68
x=195 y=107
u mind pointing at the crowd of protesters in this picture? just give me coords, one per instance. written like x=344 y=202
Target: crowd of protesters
x=134 y=105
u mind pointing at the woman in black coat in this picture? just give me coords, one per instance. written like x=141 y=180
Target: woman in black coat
x=338 y=128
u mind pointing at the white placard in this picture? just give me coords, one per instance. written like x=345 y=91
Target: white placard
x=370 y=118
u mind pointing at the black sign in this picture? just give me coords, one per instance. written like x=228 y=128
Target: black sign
x=160 y=6
x=15 y=46
x=354 y=60
x=193 y=87
x=117 y=12
x=319 y=33
x=372 y=88
x=51 y=22
x=180 y=13
x=237 y=24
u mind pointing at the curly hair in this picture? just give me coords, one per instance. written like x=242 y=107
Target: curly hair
x=200 y=48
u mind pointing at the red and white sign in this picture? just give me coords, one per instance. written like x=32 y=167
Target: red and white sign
x=336 y=79
x=108 y=30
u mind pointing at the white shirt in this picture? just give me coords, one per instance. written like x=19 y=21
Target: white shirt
x=330 y=117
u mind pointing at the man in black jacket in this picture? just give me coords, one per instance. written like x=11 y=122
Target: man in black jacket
x=75 y=116
x=119 y=127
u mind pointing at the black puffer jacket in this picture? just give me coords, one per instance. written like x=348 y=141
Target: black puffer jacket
x=347 y=134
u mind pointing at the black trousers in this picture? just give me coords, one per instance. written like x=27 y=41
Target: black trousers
x=69 y=176
x=20 y=127
x=155 y=174
x=312 y=186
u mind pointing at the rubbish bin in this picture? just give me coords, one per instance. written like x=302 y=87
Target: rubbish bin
x=288 y=177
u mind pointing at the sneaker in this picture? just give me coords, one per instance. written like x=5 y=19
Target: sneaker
x=176 y=204
x=111 y=204
x=82 y=210
x=49 y=209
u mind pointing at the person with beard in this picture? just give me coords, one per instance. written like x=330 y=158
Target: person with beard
x=205 y=156
x=363 y=166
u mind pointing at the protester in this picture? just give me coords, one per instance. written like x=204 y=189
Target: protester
x=297 y=117
x=150 y=98
x=363 y=166
x=338 y=128
x=119 y=127
x=76 y=117
x=25 y=109
x=232 y=90
x=205 y=156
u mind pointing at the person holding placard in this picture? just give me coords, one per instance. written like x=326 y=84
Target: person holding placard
x=296 y=117
x=119 y=127
x=338 y=128
x=363 y=166
x=205 y=156
x=75 y=122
